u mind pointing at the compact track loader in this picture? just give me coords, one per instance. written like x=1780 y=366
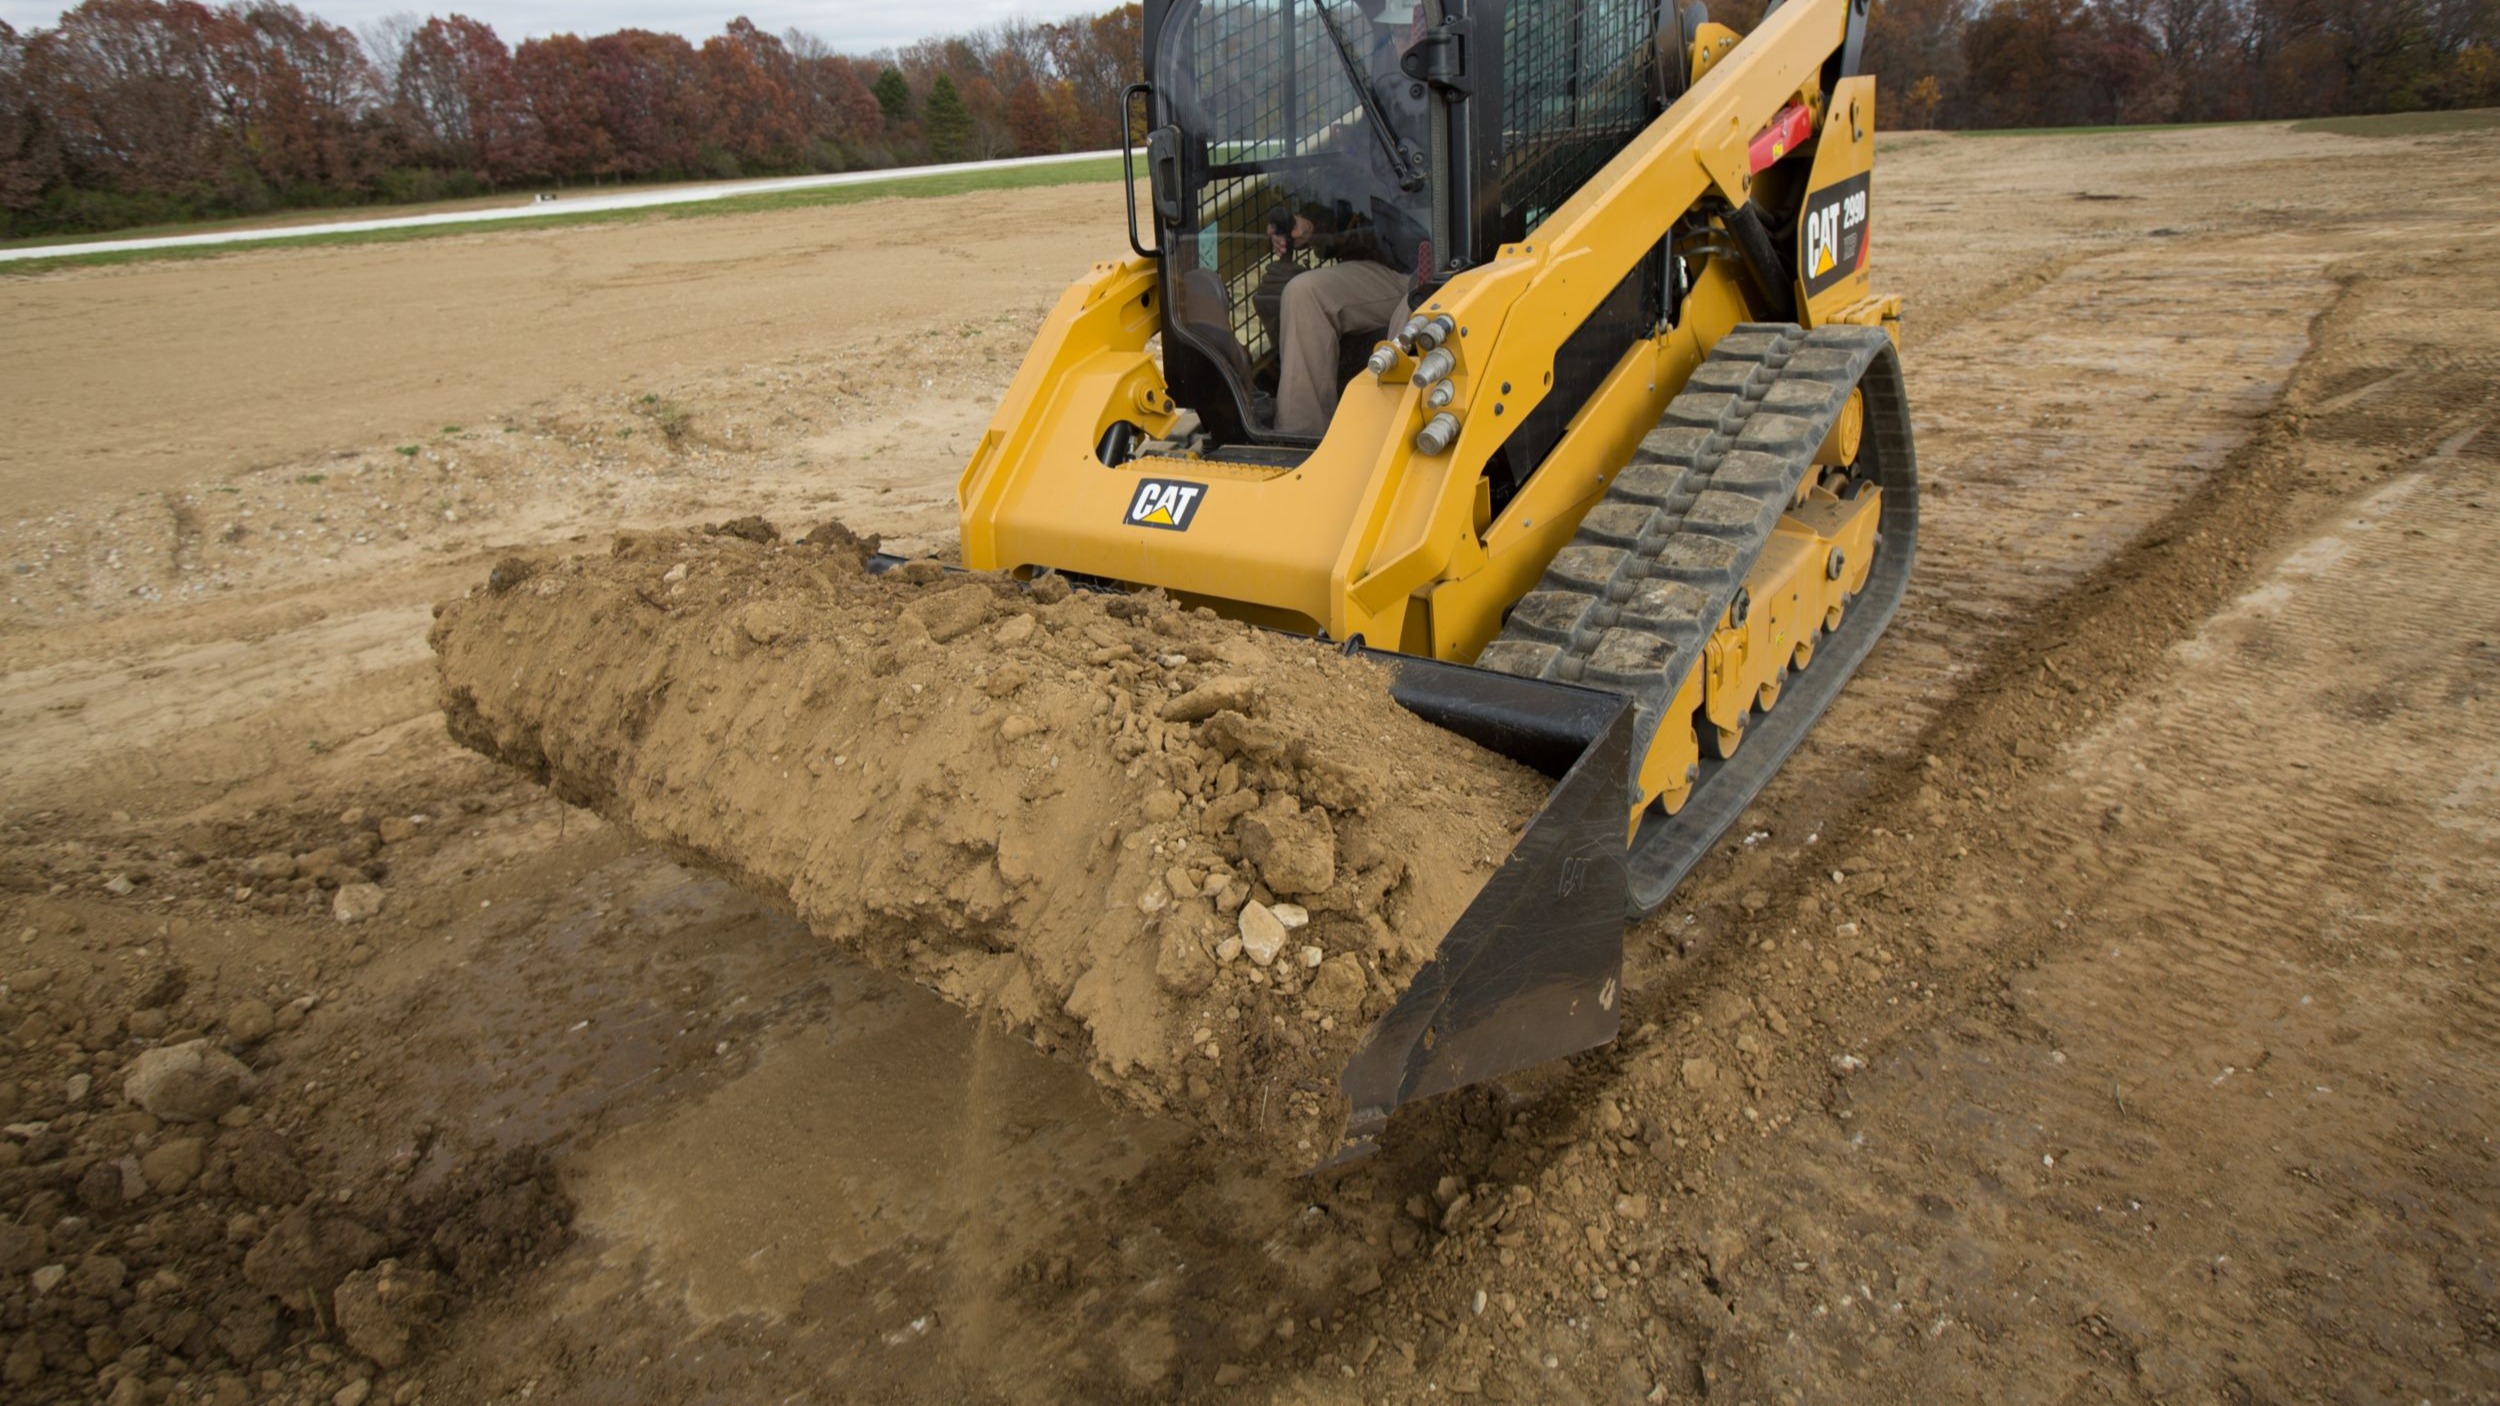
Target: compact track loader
x=1525 y=347
x=1623 y=489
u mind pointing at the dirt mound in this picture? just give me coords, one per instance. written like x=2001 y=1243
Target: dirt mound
x=1199 y=859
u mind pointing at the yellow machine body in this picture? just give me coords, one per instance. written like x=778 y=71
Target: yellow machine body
x=1370 y=538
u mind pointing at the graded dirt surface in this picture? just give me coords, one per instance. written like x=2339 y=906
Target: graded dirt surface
x=156 y=374
x=2100 y=1007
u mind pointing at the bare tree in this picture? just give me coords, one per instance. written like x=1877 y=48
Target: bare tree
x=386 y=43
x=804 y=46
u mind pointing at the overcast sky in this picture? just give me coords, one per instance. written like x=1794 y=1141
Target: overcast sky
x=850 y=26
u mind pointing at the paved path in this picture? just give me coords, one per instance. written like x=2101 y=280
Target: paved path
x=621 y=200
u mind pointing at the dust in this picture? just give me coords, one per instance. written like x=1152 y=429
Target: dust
x=1198 y=859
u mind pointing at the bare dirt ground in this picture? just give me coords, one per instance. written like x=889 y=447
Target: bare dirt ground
x=2100 y=1008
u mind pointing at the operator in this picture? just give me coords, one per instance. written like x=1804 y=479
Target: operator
x=1288 y=234
x=1372 y=231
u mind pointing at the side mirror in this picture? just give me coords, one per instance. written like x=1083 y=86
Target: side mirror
x=1677 y=24
x=1160 y=147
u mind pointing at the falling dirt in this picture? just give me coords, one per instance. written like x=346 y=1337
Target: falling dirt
x=2097 y=1008
x=1199 y=858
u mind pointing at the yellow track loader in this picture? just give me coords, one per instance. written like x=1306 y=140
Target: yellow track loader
x=1525 y=347
x=1618 y=475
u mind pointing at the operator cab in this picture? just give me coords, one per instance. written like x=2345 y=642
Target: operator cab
x=1420 y=135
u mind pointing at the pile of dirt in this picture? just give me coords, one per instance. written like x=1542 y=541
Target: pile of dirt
x=1199 y=859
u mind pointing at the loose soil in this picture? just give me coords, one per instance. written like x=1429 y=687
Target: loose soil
x=1200 y=859
x=2098 y=1007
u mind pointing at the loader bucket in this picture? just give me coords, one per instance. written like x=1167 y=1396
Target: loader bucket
x=1532 y=971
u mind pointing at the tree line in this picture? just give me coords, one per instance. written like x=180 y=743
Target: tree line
x=2056 y=63
x=139 y=111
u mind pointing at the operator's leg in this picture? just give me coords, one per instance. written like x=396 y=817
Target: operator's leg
x=1319 y=305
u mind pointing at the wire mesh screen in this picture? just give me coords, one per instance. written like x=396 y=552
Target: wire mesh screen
x=1265 y=87
x=1575 y=90
x=1300 y=108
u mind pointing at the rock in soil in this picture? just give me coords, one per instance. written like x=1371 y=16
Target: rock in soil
x=383 y=1311
x=262 y=1168
x=850 y=762
x=1262 y=934
x=306 y=1254
x=357 y=903
x=192 y=1082
x=173 y=1164
x=250 y=1021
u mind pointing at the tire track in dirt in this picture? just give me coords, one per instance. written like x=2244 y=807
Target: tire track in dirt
x=1925 y=323
x=1680 y=1128
x=2306 y=734
x=2172 y=366
x=2168 y=369
x=2247 y=1079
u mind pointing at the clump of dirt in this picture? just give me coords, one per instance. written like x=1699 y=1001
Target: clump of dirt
x=272 y=866
x=1199 y=859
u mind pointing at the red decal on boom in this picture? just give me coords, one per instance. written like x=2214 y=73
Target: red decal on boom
x=1787 y=132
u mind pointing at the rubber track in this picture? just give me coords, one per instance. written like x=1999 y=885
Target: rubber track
x=1631 y=603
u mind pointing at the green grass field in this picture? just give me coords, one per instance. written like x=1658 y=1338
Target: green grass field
x=911 y=187
x=2405 y=124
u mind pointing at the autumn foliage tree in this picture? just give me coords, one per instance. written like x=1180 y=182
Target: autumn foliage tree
x=139 y=110
x=460 y=93
x=756 y=117
x=559 y=76
x=131 y=92
x=29 y=151
x=842 y=115
x=652 y=102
